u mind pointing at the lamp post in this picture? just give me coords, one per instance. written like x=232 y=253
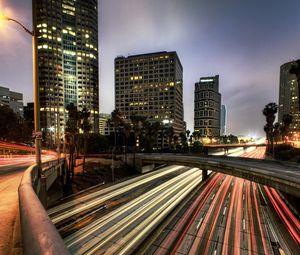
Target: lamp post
x=36 y=88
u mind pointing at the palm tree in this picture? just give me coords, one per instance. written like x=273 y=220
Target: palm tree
x=71 y=136
x=116 y=120
x=269 y=111
x=136 y=122
x=287 y=120
x=295 y=69
x=187 y=134
x=151 y=131
x=126 y=133
x=86 y=127
x=183 y=140
x=170 y=134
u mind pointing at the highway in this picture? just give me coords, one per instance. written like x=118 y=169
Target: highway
x=86 y=203
x=134 y=220
x=229 y=216
x=171 y=211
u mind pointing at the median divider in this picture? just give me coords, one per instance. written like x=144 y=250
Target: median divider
x=39 y=235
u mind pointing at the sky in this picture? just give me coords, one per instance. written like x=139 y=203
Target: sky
x=244 y=41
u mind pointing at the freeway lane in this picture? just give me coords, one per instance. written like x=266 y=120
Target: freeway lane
x=227 y=217
x=62 y=213
x=134 y=220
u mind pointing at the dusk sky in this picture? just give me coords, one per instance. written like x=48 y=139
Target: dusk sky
x=244 y=41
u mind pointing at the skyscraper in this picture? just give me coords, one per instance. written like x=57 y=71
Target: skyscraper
x=288 y=96
x=150 y=85
x=67 y=32
x=207 y=106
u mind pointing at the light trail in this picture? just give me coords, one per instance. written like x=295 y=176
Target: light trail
x=213 y=212
x=254 y=187
x=285 y=214
x=198 y=204
x=87 y=202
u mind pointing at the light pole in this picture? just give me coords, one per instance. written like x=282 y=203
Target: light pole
x=36 y=88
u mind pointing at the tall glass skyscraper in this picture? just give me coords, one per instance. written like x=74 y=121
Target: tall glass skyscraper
x=288 y=96
x=67 y=44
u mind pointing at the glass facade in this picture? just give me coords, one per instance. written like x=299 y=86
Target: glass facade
x=288 y=96
x=67 y=32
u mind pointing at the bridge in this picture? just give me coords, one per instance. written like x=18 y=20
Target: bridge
x=284 y=176
x=40 y=236
x=226 y=147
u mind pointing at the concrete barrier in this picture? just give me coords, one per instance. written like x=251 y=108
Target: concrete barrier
x=39 y=235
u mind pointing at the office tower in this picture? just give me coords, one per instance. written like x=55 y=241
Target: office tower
x=150 y=85
x=223 y=120
x=103 y=118
x=67 y=44
x=288 y=96
x=207 y=106
x=12 y=99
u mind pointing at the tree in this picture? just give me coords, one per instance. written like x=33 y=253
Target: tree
x=170 y=134
x=287 y=120
x=13 y=127
x=269 y=111
x=71 y=136
x=151 y=131
x=137 y=124
x=126 y=133
x=184 y=144
x=86 y=127
x=187 y=134
x=117 y=121
x=295 y=69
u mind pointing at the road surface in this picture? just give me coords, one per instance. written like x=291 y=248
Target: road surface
x=228 y=216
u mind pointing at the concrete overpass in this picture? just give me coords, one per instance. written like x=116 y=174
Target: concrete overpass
x=280 y=175
x=226 y=147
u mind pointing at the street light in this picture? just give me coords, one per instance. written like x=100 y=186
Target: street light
x=36 y=88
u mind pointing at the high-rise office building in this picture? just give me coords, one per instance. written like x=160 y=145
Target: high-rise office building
x=207 y=106
x=150 y=85
x=223 y=120
x=12 y=99
x=288 y=96
x=103 y=118
x=67 y=45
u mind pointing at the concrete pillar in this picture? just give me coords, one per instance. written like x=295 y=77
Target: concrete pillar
x=43 y=192
x=204 y=174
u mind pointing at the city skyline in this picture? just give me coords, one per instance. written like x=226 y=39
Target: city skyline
x=244 y=43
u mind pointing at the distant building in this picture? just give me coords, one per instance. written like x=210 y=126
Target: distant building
x=13 y=99
x=207 y=106
x=150 y=85
x=67 y=52
x=223 y=120
x=103 y=118
x=29 y=114
x=288 y=96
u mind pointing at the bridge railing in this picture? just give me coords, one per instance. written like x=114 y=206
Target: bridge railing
x=39 y=235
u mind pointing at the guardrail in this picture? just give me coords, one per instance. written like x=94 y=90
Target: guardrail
x=39 y=235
